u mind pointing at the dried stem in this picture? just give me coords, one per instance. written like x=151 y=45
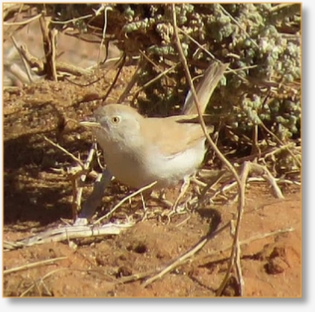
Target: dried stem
x=125 y=199
x=185 y=257
x=76 y=159
x=241 y=187
x=33 y=265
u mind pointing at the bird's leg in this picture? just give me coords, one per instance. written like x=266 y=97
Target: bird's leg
x=161 y=199
x=183 y=190
x=95 y=198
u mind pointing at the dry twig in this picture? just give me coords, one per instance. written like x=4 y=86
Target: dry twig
x=76 y=159
x=185 y=257
x=241 y=187
x=41 y=281
x=123 y=200
x=33 y=265
x=67 y=233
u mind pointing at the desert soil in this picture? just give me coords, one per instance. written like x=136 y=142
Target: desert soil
x=38 y=196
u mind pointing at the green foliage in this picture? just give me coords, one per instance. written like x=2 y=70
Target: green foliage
x=260 y=41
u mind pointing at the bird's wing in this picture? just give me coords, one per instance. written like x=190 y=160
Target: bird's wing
x=174 y=133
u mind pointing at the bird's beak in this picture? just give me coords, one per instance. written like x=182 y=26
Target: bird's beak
x=90 y=124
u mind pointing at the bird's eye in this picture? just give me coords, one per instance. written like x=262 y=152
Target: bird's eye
x=115 y=119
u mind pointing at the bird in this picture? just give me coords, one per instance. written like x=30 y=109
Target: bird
x=140 y=150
